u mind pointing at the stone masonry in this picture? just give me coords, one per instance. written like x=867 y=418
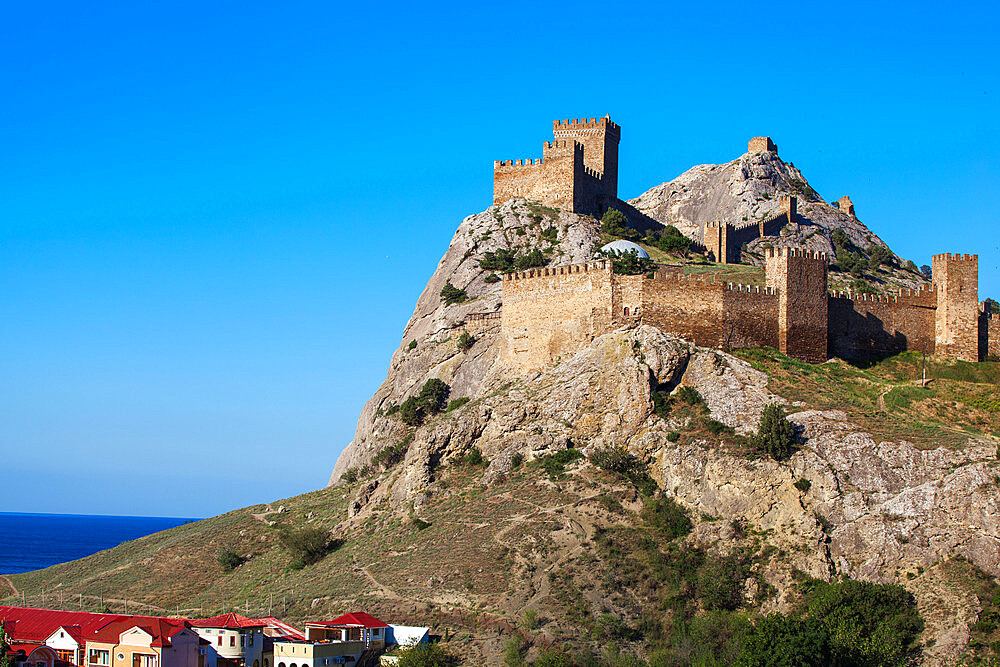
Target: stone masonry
x=578 y=171
x=723 y=240
x=549 y=314
x=762 y=145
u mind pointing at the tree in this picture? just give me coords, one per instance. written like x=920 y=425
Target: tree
x=775 y=435
x=628 y=263
x=427 y=655
x=927 y=272
x=411 y=412
x=615 y=224
x=879 y=255
x=433 y=396
x=451 y=295
x=308 y=545
x=465 y=341
x=785 y=641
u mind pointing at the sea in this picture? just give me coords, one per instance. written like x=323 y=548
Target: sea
x=33 y=541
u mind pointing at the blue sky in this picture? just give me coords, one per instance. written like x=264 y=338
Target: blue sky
x=215 y=218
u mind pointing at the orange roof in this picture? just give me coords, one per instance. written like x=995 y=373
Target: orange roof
x=161 y=629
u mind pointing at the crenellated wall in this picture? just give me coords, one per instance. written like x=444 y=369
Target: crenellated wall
x=552 y=313
x=549 y=314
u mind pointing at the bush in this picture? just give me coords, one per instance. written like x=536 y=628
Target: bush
x=516 y=459
x=492 y=278
x=427 y=655
x=878 y=255
x=673 y=436
x=412 y=345
x=667 y=518
x=390 y=456
x=474 y=457
x=548 y=657
x=926 y=271
x=228 y=559
x=721 y=581
x=615 y=224
x=785 y=641
x=504 y=260
x=350 y=475
x=628 y=263
x=420 y=523
x=514 y=651
x=620 y=461
x=411 y=412
x=555 y=464
x=803 y=485
x=465 y=341
x=457 y=403
x=775 y=435
x=551 y=234
x=434 y=395
x=308 y=545
x=451 y=295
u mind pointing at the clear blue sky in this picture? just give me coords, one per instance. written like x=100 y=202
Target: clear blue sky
x=215 y=218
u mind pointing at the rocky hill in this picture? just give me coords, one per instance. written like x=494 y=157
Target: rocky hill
x=616 y=506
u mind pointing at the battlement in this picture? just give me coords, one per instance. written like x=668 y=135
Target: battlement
x=949 y=257
x=864 y=296
x=846 y=206
x=527 y=162
x=796 y=253
x=559 y=143
x=577 y=124
x=567 y=269
x=751 y=289
x=762 y=145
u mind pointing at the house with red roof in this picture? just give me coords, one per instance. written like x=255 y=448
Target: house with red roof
x=233 y=640
x=144 y=642
x=343 y=640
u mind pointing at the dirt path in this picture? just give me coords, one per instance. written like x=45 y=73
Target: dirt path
x=10 y=583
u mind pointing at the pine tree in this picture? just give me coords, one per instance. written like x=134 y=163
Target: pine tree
x=775 y=435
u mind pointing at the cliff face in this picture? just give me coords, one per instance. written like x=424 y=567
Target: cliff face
x=747 y=190
x=435 y=327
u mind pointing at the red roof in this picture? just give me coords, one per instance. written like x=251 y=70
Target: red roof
x=354 y=619
x=36 y=625
x=283 y=630
x=230 y=621
x=161 y=629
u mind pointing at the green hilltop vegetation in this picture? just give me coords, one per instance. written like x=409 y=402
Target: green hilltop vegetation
x=569 y=560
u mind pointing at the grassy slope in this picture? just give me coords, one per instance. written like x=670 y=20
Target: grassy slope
x=488 y=553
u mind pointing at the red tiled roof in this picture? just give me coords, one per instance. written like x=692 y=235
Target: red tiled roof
x=355 y=619
x=230 y=621
x=37 y=625
x=161 y=629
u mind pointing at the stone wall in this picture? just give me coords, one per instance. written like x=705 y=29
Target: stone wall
x=688 y=306
x=751 y=317
x=989 y=335
x=798 y=277
x=866 y=326
x=956 y=331
x=723 y=240
x=549 y=314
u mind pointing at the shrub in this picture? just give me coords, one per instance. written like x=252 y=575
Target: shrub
x=412 y=345
x=411 y=412
x=879 y=255
x=551 y=234
x=721 y=581
x=420 y=523
x=615 y=224
x=457 y=403
x=465 y=341
x=926 y=271
x=504 y=260
x=514 y=651
x=530 y=619
x=451 y=295
x=350 y=475
x=673 y=436
x=803 y=485
x=308 y=545
x=390 y=456
x=491 y=278
x=228 y=559
x=427 y=655
x=628 y=263
x=775 y=435
x=474 y=457
x=716 y=427
x=554 y=465
x=548 y=657
x=434 y=395
x=516 y=459
x=689 y=395
x=620 y=461
x=667 y=518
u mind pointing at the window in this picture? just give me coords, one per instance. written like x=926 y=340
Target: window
x=219 y=638
x=243 y=641
x=99 y=657
x=143 y=660
x=232 y=640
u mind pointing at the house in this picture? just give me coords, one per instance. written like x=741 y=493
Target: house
x=64 y=632
x=144 y=642
x=234 y=640
x=343 y=640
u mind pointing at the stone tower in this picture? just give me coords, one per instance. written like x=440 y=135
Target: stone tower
x=799 y=279
x=600 y=137
x=762 y=145
x=956 y=322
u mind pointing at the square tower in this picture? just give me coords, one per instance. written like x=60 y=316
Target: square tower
x=600 y=137
x=799 y=279
x=956 y=322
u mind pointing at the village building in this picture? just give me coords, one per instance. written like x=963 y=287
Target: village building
x=233 y=640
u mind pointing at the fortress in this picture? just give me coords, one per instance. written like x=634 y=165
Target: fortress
x=551 y=313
